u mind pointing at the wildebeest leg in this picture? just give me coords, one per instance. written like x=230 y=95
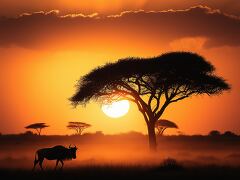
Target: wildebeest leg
x=56 y=164
x=40 y=163
x=36 y=160
x=62 y=163
x=35 y=163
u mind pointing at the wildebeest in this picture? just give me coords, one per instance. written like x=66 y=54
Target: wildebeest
x=58 y=153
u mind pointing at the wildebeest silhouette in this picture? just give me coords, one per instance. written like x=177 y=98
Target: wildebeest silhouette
x=58 y=153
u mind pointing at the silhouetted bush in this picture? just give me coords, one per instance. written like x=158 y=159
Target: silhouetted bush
x=171 y=164
x=229 y=134
x=29 y=133
x=99 y=133
x=214 y=133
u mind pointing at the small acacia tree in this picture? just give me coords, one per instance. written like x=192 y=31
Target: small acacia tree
x=78 y=126
x=151 y=83
x=162 y=124
x=37 y=126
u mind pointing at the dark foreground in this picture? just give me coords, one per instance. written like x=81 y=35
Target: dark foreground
x=124 y=156
x=122 y=172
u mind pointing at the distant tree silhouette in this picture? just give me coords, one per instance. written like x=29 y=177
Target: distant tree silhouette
x=151 y=83
x=78 y=126
x=99 y=133
x=214 y=133
x=37 y=126
x=162 y=124
x=28 y=133
x=180 y=133
x=229 y=134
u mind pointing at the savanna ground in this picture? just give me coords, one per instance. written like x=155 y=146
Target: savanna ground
x=122 y=156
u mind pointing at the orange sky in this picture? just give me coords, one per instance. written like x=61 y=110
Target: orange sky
x=44 y=54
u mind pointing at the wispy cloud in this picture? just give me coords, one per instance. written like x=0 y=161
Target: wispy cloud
x=42 y=29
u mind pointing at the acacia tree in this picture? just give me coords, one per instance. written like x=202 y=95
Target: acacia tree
x=162 y=124
x=78 y=126
x=151 y=83
x=37 y=126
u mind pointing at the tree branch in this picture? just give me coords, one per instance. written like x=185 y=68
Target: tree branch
x=150 y=99
x=147 y=85
x=138 y=99
x=142 y=111
x=160 y=112
x=158 y=102
x=183 y=97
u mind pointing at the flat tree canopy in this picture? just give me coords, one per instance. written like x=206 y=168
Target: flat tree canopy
x=37 y=126
x=152 y=83
x=162 y=124
x=78 y=126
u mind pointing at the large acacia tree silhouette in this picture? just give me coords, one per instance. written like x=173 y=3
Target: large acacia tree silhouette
x=151 y=83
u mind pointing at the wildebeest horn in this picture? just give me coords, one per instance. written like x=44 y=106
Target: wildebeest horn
x=70 y=146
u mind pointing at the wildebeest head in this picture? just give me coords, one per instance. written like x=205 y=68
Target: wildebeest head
x=73 y=151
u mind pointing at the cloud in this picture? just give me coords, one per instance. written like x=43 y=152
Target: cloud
x=107 y=7
x=132 y=28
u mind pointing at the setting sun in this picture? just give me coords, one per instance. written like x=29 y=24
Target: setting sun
x=116 y=109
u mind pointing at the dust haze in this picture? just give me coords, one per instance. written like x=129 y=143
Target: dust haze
x=18 y=151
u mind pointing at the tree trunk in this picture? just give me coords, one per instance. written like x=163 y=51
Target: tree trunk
x=38 y=131
x=152 y=137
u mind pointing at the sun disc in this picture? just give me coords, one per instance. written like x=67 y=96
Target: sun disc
x=116 y=109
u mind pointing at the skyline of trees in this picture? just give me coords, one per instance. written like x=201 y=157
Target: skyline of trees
x=226 y=133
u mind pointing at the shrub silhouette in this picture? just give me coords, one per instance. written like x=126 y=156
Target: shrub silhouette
x=229 y=134
x=214 y=133
x=171 y=164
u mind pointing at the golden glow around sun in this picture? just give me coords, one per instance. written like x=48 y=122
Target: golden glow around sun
x=116 y=109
